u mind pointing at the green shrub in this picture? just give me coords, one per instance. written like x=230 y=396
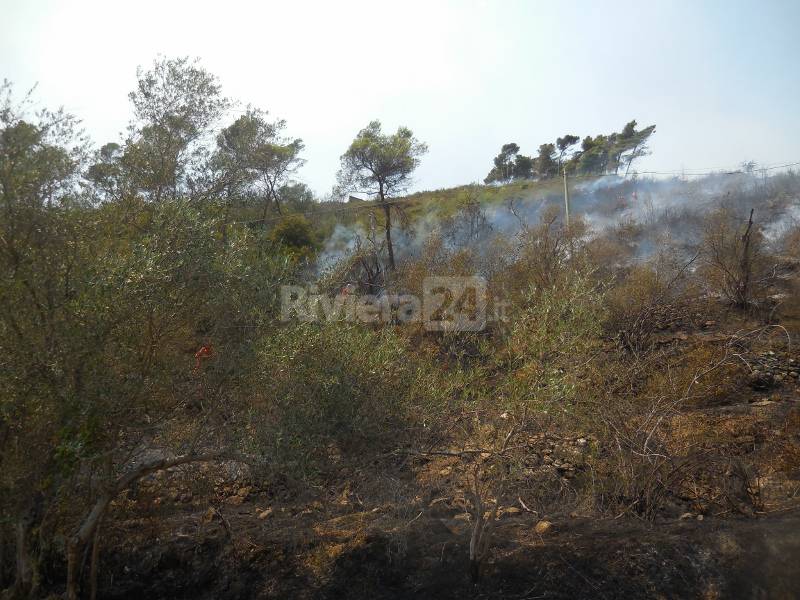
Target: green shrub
x=335 y=390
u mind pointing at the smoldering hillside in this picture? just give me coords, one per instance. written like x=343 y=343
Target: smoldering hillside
x=642 y=214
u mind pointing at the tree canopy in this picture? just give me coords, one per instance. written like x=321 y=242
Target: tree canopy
x=597 y=155
x=381 y=165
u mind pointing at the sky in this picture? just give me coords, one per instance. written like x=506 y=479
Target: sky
x=719 y=79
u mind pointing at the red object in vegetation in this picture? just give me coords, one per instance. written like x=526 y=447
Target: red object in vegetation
x=206 y=351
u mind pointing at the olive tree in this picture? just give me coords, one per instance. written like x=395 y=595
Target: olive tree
x=40 y=158
x=176 y=106
x=104 y=306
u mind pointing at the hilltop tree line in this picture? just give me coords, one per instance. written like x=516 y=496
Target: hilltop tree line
x=612 y=153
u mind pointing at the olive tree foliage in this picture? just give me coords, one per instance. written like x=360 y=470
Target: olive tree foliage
x=40 y=157
x=323 y=387
x=176 y=105
x=255 y=149
x=104 y=307
x=381 y=165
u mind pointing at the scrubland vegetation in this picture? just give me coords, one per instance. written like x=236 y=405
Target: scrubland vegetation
x=165 y=432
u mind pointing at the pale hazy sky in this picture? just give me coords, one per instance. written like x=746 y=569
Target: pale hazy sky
x=721 y=79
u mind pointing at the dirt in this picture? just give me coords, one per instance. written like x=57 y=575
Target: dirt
x=238 y=542
x=360 y=557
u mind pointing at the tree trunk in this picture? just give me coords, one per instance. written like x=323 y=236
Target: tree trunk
x=631 y=158
x=73 y=567
x=745 y=267
x=225 y=218
x=264 y=212
x=474 y=571
x=475 y=540
x=88 y=528
x=475 y=558
x=2 y=557
x=272 y=194
x=24 y=571
x=93 y=564
x=388 y=219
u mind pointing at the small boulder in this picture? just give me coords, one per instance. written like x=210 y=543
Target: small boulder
x=543 y=527
x=764 y=402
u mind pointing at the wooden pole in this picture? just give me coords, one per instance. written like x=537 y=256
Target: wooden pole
x=566 y=198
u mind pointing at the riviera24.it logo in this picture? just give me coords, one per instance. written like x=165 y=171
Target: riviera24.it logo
x=446 y=304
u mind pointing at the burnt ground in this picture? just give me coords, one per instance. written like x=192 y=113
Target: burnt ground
x=579 y=558
x=231 y=540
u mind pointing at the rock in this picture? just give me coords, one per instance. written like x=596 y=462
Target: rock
x=244 y=492
x=794 y=374
x=264 y=514
x=687 y=515
x=208 y=516
x=699 y=517
x=543 y=527
x=445 y=472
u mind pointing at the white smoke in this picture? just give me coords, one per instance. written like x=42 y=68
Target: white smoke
x=657 y=207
